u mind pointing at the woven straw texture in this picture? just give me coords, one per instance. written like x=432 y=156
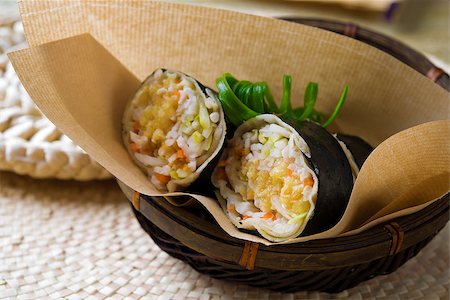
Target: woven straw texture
x=29 y=143
x=81 y=241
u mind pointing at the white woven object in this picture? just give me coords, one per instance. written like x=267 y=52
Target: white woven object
x=29 y=143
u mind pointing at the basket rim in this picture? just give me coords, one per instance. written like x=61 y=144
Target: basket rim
x=196 y=233
x=382 y=240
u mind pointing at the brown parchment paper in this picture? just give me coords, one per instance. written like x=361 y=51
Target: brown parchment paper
x=81 y=83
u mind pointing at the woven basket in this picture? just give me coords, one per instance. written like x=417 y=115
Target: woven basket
x=330 y=265
x=29 y=143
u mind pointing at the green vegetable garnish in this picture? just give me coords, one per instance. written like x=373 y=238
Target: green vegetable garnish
x=243 y=100
x=338 y=107
x=235 y=110
x=286 y=107
x=257 y=98
x=309 y=99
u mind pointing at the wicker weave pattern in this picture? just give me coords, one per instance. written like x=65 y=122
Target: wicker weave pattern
x=29 y=143
x=330 y=280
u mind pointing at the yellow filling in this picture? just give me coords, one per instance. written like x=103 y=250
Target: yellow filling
x=155 y=122
x=159 y=119
x=163 y=106
x=279 y=181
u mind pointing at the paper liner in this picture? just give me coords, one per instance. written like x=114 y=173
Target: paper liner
x=81 y=86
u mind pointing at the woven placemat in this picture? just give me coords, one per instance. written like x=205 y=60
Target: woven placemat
x=29 y=143
x=74 y=240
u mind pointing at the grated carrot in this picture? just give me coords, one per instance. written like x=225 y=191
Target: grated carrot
x=245 y=217
x=180 y=154
x=269 y=215
x=289 y=172
x=308 y=182
x=177 y=93
x=134 y=148
x=231 y=208
x=162 y=178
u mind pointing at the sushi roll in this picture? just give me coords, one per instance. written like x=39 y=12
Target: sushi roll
x=173 y=128
x=283 y=180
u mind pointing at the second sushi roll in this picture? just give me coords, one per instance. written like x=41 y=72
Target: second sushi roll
x=284 y=180
x=173 y=128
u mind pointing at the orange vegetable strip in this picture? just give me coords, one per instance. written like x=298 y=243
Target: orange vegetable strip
x=180 y=154
x=231 y=208
x=269 y=215
x=162 y=178
x=289 y=172
x=308 y=182
x=134 y=148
